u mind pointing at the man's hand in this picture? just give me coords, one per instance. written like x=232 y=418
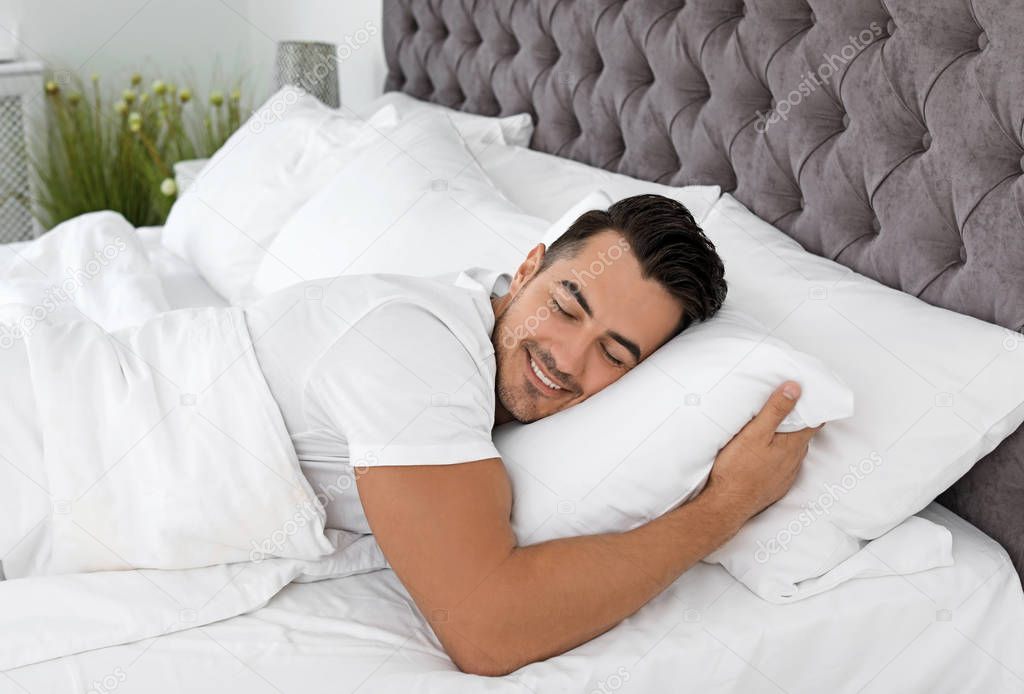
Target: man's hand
x=758 y=466
x=496 y=606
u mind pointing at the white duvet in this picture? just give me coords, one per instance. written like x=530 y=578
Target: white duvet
x=156 y=446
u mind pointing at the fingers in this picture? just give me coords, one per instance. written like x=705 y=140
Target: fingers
x=797 y=439
x=778 y=407
x=805 y=435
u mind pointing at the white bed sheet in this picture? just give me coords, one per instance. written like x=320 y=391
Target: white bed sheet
x=954 y=629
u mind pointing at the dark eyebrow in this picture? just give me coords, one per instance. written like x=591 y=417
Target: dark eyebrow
x=577 y=294
x=627 y=343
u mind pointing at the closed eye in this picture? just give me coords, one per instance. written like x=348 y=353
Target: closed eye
x=558 y=308
x=618 y=363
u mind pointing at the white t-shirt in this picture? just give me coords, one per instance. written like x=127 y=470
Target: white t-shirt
x=380 y=370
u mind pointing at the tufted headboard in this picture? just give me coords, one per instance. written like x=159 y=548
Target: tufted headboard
x=884 y=134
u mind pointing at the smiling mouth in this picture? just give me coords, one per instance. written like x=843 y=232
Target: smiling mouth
x=544 y=382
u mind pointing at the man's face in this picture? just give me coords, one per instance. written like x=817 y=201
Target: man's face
x=567 y=331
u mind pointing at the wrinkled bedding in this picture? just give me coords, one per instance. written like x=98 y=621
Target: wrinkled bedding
x=137 y=438
x=341 y=623
x=952 y=629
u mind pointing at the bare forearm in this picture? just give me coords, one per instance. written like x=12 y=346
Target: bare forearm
x=547 y=598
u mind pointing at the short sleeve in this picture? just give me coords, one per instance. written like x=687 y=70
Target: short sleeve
x=401 y=388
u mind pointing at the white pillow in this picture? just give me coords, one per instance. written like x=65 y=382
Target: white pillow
x=935 y=390
x=415 y=202
x=281 y=156
x=546 y=186
x=478 y=131
x=598 y=200
x=646 y=443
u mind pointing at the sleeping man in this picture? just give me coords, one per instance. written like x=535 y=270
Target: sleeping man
x=396 y=382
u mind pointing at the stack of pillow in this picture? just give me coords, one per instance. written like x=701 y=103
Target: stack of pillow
x=302 y=191
x=415 y=201
x=268 y=168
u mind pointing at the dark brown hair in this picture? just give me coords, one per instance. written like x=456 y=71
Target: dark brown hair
x=670 y=246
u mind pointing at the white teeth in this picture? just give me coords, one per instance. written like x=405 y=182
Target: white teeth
x=543 y=379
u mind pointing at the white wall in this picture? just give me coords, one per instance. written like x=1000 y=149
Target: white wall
x=198 y=42
x=352 y=24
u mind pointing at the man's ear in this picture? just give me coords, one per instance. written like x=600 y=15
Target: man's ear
x=528 y=268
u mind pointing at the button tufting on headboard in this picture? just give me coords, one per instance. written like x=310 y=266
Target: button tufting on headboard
x=629 y=85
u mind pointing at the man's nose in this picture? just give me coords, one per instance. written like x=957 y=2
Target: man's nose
x=570 y=357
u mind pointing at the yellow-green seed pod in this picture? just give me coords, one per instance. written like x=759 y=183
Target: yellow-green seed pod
x=168 y=187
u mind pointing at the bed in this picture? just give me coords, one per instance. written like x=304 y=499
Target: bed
x=672 y=92
x=363 y=633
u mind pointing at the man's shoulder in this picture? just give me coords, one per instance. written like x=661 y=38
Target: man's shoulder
x=406 y=336
x=424 y=307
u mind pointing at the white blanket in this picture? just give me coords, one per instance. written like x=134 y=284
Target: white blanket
x=157 y=446
x=93 y=266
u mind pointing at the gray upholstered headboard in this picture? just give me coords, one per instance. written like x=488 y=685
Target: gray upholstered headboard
x=884 y=134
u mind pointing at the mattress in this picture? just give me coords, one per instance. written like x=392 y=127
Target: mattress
x=959 y=628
